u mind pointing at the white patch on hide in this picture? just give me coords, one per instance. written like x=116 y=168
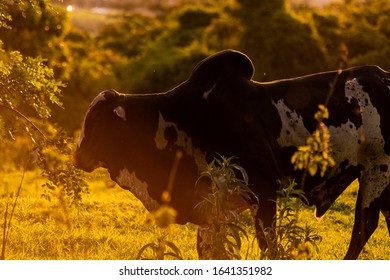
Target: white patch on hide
x=182 y=141
x=345 y=142
x=129 y=181
x=98 y=98
x=371 y=152
x=207 y=92
x=293 y=130
x=120 y=112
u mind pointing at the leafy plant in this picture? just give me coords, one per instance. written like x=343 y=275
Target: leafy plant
x=287 y=239
x=164 y=217
x=160 y=250
x=223 y=236
x=316 y=155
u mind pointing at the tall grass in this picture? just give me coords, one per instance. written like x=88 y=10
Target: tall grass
x=110 y=224
x=8 y=219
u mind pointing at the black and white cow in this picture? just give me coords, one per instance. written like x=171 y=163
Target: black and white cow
x=219 y=109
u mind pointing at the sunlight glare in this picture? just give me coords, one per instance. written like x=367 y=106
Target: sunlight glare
x=69 y=8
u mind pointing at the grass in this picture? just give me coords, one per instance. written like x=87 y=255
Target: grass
x=112 y=224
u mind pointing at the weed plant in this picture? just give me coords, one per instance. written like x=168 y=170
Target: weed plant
x=161 y=248
x=222 y=239
x=287 y=239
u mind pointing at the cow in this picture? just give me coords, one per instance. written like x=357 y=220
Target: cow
x=219 y=109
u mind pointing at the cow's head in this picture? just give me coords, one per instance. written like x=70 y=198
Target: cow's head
x=101 y=132
x=118 y=134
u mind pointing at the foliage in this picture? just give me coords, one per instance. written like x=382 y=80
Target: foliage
x=27 y=88
x=270 y=36
x=28 y=81
x=361 y=27
x=173 y=48
x=287 y=239
x=55 y=160
x=316 y=155
x=130 y=35
x=223 y=237
x=91 y=71
x=36 y=28
x=161 y=249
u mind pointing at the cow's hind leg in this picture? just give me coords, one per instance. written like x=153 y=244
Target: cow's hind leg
x=366 y=221
x=202 y=247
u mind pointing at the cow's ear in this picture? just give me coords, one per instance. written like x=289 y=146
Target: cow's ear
x=225 y=64
x=120 y=112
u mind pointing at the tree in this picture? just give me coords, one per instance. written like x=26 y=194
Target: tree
x=27 y=87
x=279 y=43
x=130 y=35
x=37 y=29
x=356 y=30
x=160 y=54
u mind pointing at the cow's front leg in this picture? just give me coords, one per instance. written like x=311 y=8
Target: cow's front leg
x=366 y=221
x=202 y=245
x=264 y=220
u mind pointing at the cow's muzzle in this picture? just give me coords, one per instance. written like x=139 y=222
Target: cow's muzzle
x=86 y=163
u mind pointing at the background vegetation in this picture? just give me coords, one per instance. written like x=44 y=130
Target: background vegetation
x=54 y=62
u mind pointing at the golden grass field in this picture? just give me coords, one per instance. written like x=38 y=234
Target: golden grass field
x=112 y=224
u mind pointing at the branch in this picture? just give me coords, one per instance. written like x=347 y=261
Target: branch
x=25 y=118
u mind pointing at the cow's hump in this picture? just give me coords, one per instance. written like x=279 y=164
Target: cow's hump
x=224 y=64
